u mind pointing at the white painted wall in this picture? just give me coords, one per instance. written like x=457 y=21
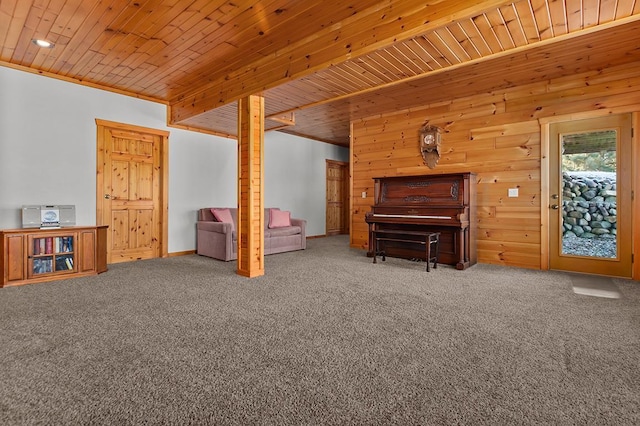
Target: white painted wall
x=48 y=156
x=295 y=177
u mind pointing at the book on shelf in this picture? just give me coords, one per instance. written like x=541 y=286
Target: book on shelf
x=68 y=244
x=49 y=245
x=64 y=244
x=42 y=265
x=61 y=265
x=64 y=263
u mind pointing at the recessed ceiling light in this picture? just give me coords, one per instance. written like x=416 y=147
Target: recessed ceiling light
x=43 y=43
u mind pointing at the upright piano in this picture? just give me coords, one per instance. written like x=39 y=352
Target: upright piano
x=444 y=203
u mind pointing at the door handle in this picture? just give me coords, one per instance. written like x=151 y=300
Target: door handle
x=555 y=206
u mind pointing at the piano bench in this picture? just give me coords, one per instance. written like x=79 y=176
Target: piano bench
x=430 y=241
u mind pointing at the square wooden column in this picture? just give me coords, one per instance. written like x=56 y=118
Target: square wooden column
x=250 y=186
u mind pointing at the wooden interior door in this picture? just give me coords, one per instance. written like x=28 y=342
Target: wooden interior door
x=337 y=197
x=566 y=252
x=130 y=191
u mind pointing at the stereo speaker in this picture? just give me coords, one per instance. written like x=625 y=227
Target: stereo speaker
x=31 y=216
x=67 y=215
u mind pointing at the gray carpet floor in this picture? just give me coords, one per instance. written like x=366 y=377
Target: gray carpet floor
x=324 y=337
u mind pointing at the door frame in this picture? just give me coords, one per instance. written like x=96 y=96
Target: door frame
x=163 y=202
x=545 y=124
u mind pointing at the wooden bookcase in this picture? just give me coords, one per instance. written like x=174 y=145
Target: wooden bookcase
x=41 y=255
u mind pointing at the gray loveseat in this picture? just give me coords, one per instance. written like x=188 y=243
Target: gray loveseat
x=219 y=240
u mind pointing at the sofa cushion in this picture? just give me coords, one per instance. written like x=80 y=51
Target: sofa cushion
x=279 y=218
x=223 y=215
x=282 y=231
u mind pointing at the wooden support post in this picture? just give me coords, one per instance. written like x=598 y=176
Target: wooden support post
x=250 y=186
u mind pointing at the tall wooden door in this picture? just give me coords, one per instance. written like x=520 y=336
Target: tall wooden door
x=337 y=197
x=131 y=195
x=590 y=188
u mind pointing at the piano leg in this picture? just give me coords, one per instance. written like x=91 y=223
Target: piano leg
x=463 y=261
x=371 y=239
x=458 y=249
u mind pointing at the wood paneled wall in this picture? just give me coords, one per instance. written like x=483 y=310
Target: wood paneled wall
x=498 y=136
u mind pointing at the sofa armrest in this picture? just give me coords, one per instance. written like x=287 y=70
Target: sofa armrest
x=211 y=226
x=303 y=229
x=215 y=239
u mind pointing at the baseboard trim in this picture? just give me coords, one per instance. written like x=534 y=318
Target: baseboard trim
x=311 y=237
x=181 y=253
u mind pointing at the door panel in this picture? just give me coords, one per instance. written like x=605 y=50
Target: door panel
x=590 y=196
x=119 y=226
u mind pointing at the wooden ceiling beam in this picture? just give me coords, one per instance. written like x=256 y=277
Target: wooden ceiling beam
x=376 y=27
x=517 y=55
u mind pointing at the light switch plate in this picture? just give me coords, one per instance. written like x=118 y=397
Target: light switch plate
x=513 y=192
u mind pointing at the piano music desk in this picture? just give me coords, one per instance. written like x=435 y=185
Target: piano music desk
x=429 y=240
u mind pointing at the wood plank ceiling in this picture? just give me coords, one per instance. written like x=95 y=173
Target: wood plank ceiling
x=318 y=65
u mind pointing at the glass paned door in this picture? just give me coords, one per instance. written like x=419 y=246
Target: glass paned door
x=589 y=202
x=590 y=216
